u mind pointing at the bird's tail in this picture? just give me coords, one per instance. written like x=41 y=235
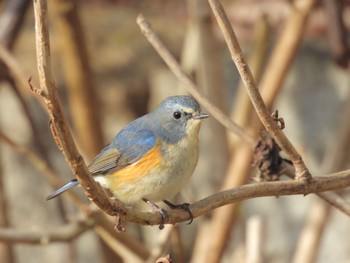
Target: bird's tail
x=62 y=189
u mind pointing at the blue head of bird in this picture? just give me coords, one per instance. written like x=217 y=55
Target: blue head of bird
x=177 y=117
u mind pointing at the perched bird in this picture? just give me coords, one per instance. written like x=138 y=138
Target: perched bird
x=152 y=157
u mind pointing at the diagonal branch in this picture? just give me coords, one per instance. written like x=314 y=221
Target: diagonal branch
x=258 y=103
x=189 y=84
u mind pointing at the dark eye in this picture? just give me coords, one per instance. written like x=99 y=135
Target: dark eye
x=177 y=115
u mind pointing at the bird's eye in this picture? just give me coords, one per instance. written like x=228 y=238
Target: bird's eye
x=177 y=115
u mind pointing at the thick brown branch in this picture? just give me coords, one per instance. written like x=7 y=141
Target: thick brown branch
x=57 y=119
x=297 y=187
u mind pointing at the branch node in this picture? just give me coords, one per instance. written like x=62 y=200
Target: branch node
x=36 y=90
x=55 y=135
x=279 y=120
x=119 y=224
x=303 y=175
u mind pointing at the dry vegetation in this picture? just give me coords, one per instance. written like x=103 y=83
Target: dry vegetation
x=96 y=71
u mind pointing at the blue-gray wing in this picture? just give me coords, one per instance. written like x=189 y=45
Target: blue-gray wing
x=127 y=147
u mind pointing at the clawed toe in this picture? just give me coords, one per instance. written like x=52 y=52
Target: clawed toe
x=164 y=214
x=184 y=206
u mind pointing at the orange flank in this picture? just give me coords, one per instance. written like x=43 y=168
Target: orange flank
x=137 y=170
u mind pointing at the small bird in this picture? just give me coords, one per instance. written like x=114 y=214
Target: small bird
x=152 y=157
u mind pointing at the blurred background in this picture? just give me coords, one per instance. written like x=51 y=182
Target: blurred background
x=107 y=74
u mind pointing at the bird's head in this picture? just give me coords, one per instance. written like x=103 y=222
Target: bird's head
x=178 y=116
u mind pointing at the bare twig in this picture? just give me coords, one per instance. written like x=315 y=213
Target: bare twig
x=40 y=165
x=242 y=108
x=59 y=124
x=331 y=198
x=239 y=169
x=190 y=85
x=40 y=237
x=18 y=75
x=258 y=103
x=38 y=138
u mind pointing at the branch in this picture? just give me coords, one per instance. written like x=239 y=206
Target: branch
x=189 y=84
x=40 y=165
x=258 y=103
x=280 y=188
x=58 y=123
x=61 y=234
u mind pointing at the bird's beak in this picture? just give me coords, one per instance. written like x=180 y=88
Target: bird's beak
x=200 y=116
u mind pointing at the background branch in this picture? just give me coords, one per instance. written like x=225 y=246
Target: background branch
x=63 y=233
x=258 y=103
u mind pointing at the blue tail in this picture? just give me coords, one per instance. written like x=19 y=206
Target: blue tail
x=62 y=189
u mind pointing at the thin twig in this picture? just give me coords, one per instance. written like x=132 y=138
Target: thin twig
x=331 y=198
x=40 y=165
x=258 y=103
x=190 y=85
x=17 y=73
x=41 y=237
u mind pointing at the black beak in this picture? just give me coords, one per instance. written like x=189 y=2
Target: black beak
x=200 y=116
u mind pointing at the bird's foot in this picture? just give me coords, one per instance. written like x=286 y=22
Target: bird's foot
x=184 y=206
x=164 y=214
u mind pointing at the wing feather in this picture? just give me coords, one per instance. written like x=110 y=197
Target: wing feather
x=126 y=148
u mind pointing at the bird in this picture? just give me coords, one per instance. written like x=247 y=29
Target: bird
x=152 y=157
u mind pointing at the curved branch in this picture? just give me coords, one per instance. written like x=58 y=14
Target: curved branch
x=58 y=123
x=280 y=188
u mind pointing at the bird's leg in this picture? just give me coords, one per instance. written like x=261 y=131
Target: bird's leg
x=164 y=213
x=184 y=206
